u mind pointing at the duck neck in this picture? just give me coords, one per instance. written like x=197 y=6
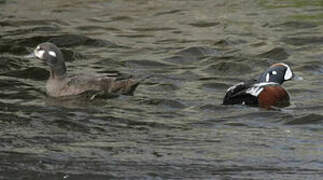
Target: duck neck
x=57 y=73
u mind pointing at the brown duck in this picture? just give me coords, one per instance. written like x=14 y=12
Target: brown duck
x=60 y=84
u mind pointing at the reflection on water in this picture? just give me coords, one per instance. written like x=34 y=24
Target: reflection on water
x=175 y=125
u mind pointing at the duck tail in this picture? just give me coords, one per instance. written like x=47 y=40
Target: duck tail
x=126 y=86
x=133 y=84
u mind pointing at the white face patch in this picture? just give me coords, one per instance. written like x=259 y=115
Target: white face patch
x=267 y=77
x=274 y=73
x=39 y=53
x=52 y=53
x=288 y=73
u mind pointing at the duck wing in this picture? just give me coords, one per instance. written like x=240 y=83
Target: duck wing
x=120 y=85
x=112 y=84
x=242 y=93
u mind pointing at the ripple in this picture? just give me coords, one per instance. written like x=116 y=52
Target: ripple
x=187 y=76
x=181 y=60
x=39 y=29
x=229 y=68
x=11 y=83
x=145 y=63
x=122 y=18
x=203 y=24
x=276 y=53
x=18 y=91
x=197 y=51
x=146 y=29
x=311 y=66
x=31 y=22
x=11 y=63
x=215 y=108
x=13 y=49
x=306 y=119
x=135 y=35
x=70 y=125
x=77 y=40
x=297 y=25
x=68 y=40
x=108 y=62
x=96 y=28
x=191 y=55
x=301 y=91
x=301 y=41
x=170 y=103
x=12 y=119
x=215 y=85
x=236 y=124
x=21 y=96
x=34 y=73
x=164 y=87
x=175 y=11
x=260 y=115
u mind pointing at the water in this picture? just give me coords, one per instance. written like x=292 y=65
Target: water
x=175 y=126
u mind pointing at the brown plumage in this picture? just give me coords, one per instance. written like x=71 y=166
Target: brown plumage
x=273 y=96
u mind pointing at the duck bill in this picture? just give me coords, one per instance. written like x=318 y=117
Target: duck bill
x=32 y=55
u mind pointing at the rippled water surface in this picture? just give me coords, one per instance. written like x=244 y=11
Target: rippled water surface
x=175 y=126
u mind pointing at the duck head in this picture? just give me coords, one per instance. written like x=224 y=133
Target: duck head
x=52 y=56
x=277 y=73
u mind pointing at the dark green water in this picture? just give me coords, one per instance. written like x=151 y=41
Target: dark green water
x=175 y=126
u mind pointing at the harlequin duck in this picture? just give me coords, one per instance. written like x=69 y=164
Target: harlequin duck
x=265 y=92
x=59 y=84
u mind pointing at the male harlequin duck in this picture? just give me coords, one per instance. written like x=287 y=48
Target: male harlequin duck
x=265 y=92
x=59 y=84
